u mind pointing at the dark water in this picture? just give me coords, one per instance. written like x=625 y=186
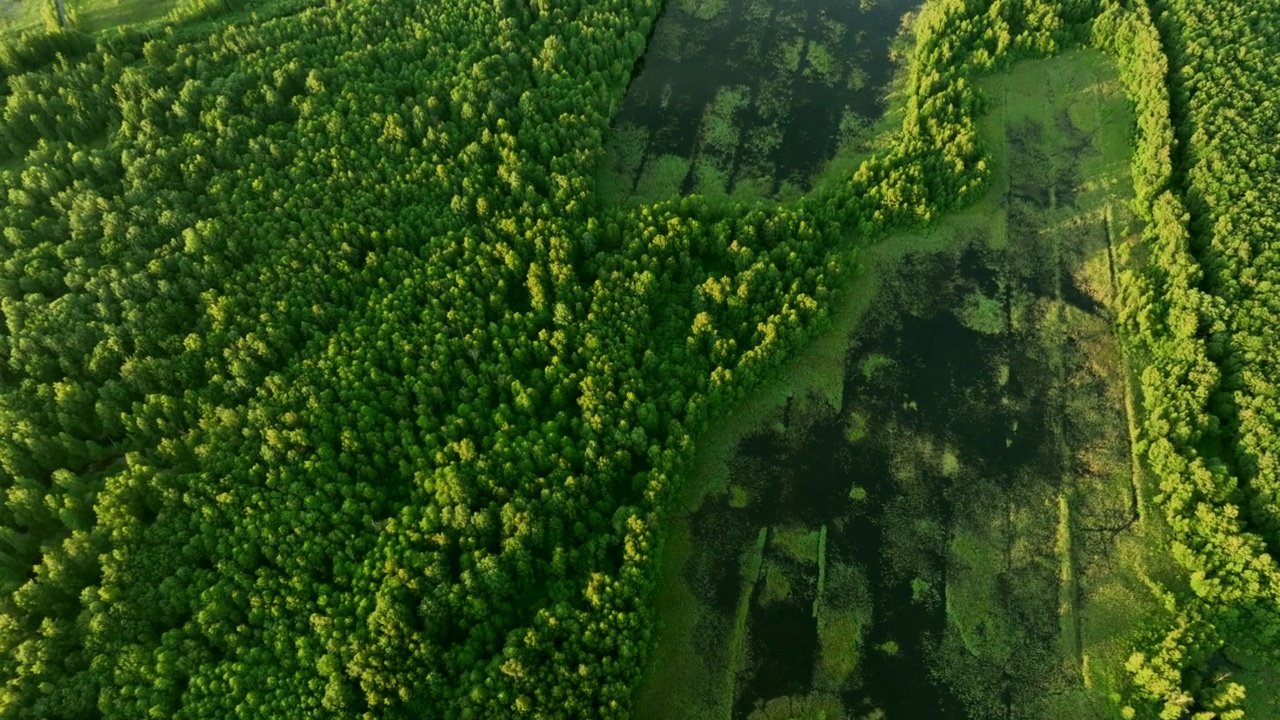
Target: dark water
x=801 y=66
x=942 y=385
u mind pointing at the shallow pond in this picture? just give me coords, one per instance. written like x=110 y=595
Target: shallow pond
x=749 y=94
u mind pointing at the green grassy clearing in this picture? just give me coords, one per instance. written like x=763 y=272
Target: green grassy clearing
x=19 y=15
x=99 y=15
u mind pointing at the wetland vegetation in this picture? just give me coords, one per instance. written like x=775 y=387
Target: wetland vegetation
x=953 y=531
x=734 y=359
x=750 y=99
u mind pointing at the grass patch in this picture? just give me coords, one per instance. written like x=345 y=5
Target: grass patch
x=758 y=12
x=843 y=623
x=857 y=79
x=802 y=545
x=709 y=178
x=773 y=99
x=777 y=587
x=19 y=15
x=949 y=464
x=853 y=129
x=833 y=31
x=840 y=636
x=662 y=178
x=872 y=364
x=822 y=569
x=752 y=189
x=99 y=15
x=761 y=143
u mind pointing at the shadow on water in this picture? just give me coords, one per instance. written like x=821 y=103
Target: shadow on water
x=805 y=74
x=943 y=414
x=788 y=635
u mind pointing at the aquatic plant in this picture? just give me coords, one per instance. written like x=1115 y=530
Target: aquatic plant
x=822 y=65
x=704 y=10
x=790 y=53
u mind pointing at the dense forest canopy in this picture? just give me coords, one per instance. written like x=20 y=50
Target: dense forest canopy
x=330 y=387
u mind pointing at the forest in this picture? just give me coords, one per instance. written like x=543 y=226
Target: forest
x=362 y=359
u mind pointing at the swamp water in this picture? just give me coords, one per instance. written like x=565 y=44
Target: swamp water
x=952 y=530
x=749 y=96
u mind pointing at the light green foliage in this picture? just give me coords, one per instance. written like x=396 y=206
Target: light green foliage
x=840 y=637
x=833 y=31
x=762 y=141
x=950 y=464
x=677 y=38
x=821 y=63
x=983 y=314
x=857 y=79
x=748 y=189
x=922 y=591
x=757 y=11
x=822 y=570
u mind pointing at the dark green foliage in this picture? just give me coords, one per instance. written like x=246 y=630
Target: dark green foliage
x=330 y=388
